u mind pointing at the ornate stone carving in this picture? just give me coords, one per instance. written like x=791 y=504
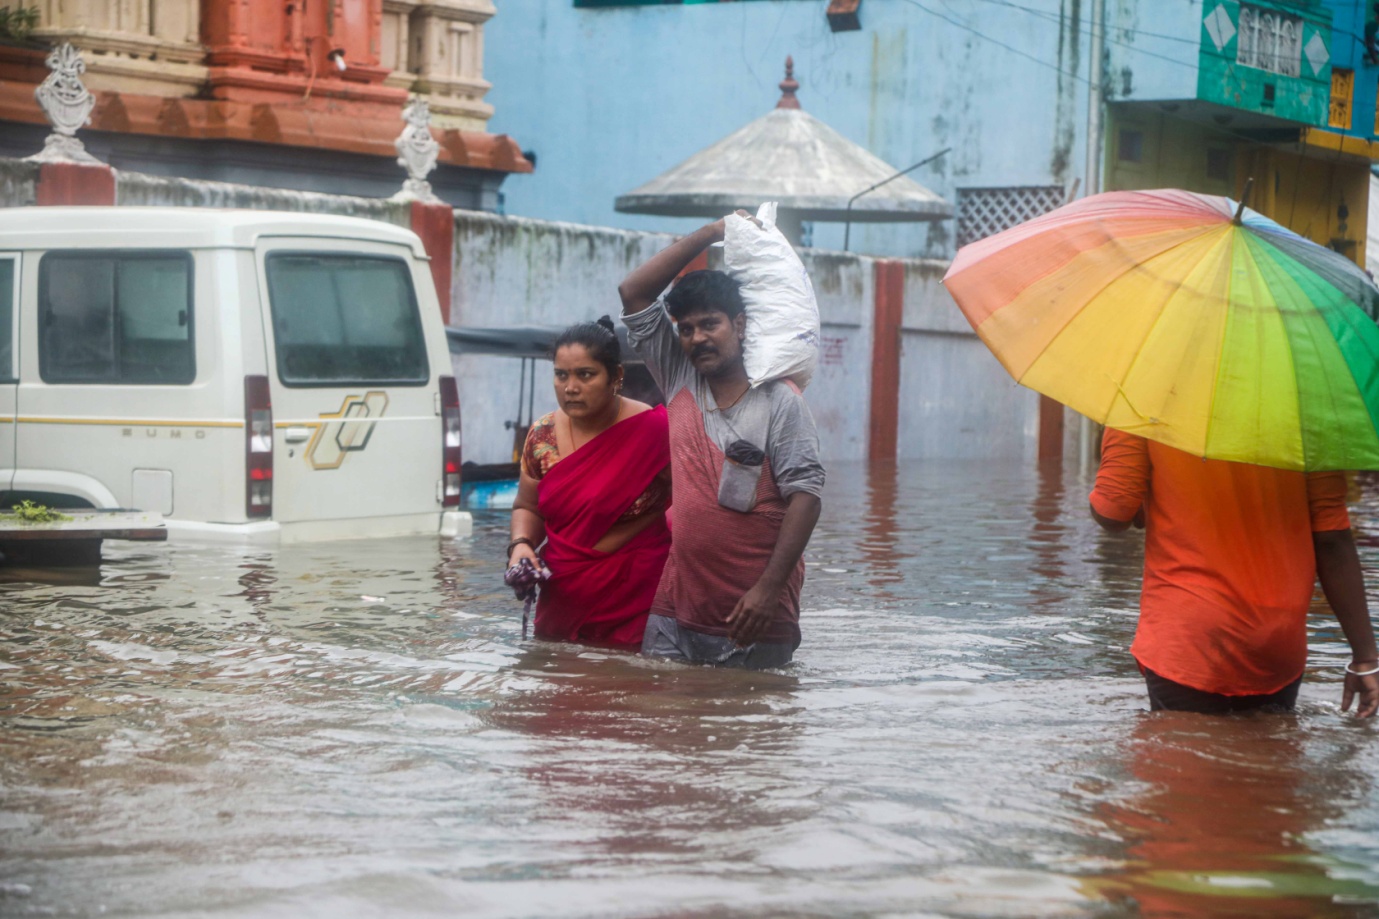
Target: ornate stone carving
x=416 y=152
x=68 y=104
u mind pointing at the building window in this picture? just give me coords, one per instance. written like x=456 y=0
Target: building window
x=1130 y=148
x=984 y=211
x=1342 y=96
x=1269 y=40
x=115 y=317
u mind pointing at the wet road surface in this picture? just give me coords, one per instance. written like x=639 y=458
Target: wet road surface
x=356 y=729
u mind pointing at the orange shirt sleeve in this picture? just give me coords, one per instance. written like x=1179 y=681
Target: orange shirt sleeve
x=1122 y=480
x=1326 y=493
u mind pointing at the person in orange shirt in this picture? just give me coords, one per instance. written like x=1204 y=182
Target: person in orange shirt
x=1232 y=553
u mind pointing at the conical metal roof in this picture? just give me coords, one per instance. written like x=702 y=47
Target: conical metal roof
x=792 y=157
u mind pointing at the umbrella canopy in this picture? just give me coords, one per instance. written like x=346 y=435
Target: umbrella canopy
x=791 y=157
x=1157 y=313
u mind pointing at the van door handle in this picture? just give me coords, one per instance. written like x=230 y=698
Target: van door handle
x=297 y=435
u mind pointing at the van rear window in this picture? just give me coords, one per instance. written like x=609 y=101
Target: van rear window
x=116 y=317
x=345 y=320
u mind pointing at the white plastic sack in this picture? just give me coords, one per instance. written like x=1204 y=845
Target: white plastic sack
x=782 y=314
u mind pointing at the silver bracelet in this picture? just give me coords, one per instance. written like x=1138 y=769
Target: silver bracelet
x=1361 y=672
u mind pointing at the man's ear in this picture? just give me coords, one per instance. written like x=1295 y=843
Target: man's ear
x=740 y=324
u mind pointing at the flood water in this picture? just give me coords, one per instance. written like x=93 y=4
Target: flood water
x=357 y=729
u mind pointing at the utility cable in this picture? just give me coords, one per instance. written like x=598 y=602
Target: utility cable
x=1231 y=69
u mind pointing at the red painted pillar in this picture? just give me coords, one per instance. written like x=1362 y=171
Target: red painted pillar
x=1050 y=430
x=435 y=224
x=889 y=309
x=75 y=183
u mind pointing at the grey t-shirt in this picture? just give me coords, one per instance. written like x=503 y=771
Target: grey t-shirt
x=772 y=416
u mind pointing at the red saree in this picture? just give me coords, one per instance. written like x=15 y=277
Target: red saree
x=602 y=597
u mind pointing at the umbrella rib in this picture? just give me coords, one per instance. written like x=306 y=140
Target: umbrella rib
x=1125 y=375
x=1128 y=268
x=1316 y=342
x=1221 y=357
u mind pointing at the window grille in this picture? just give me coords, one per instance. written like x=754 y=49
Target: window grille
x=1342 y=97
x=1270 y=40
x=984 y=211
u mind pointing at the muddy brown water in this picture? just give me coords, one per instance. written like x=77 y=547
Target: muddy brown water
x=356 y=730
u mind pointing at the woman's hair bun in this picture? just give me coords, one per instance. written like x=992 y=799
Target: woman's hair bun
x=600 y=338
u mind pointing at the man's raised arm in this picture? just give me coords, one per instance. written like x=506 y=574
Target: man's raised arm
x=646 y=282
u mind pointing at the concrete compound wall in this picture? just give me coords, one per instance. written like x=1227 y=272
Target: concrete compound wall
x=955 y=400
x=839 y=394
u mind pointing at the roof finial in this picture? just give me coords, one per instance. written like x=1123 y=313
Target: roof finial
x=416 y=152
x=788 y=86
x=68 y=104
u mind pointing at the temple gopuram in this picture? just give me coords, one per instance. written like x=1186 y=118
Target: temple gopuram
x=301 y=94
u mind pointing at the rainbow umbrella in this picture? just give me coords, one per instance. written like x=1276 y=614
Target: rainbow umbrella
x=1188 y=320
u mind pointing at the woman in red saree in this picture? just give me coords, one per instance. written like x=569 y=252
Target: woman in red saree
x=595 y=487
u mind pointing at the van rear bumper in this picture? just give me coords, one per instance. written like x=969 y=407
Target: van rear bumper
x=449 y=524
x=259 y=533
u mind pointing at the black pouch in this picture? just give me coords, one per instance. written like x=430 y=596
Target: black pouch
x=737 y=486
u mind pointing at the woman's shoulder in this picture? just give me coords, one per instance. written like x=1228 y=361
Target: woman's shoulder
x=632 y=408
x=545 y=421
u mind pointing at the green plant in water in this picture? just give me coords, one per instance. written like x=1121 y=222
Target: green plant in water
x=29 y=512
x=16 y=23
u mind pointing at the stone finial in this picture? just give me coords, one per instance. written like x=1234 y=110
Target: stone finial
x=788 y=86
x=417 y=151
x=68 y=104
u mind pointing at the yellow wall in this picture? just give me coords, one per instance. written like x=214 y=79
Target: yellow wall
x=1173 y=153
x=1298 y=185
x=1304 y=191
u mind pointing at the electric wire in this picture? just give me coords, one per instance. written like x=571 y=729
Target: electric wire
x=1051 y=17
x=1216 y=128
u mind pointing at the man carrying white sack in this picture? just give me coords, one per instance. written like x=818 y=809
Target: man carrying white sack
x=746 y=476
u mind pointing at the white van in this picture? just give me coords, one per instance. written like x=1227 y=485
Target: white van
x=247 y=374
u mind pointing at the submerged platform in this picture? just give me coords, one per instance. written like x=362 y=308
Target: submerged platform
x=77 y=539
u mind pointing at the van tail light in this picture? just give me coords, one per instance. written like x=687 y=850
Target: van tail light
x=450 y=443
x=258 y=448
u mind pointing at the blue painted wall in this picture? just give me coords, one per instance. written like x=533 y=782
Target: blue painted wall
x=1152 y=48
x=1348 y=50
x=611 y=97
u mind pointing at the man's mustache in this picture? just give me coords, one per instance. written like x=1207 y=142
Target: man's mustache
x=702 y=350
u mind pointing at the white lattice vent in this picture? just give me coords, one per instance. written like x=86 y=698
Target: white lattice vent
x=984 y=211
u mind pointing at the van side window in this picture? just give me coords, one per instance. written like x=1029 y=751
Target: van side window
x=115 y=317
x=345 y=320
x=7 y=374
